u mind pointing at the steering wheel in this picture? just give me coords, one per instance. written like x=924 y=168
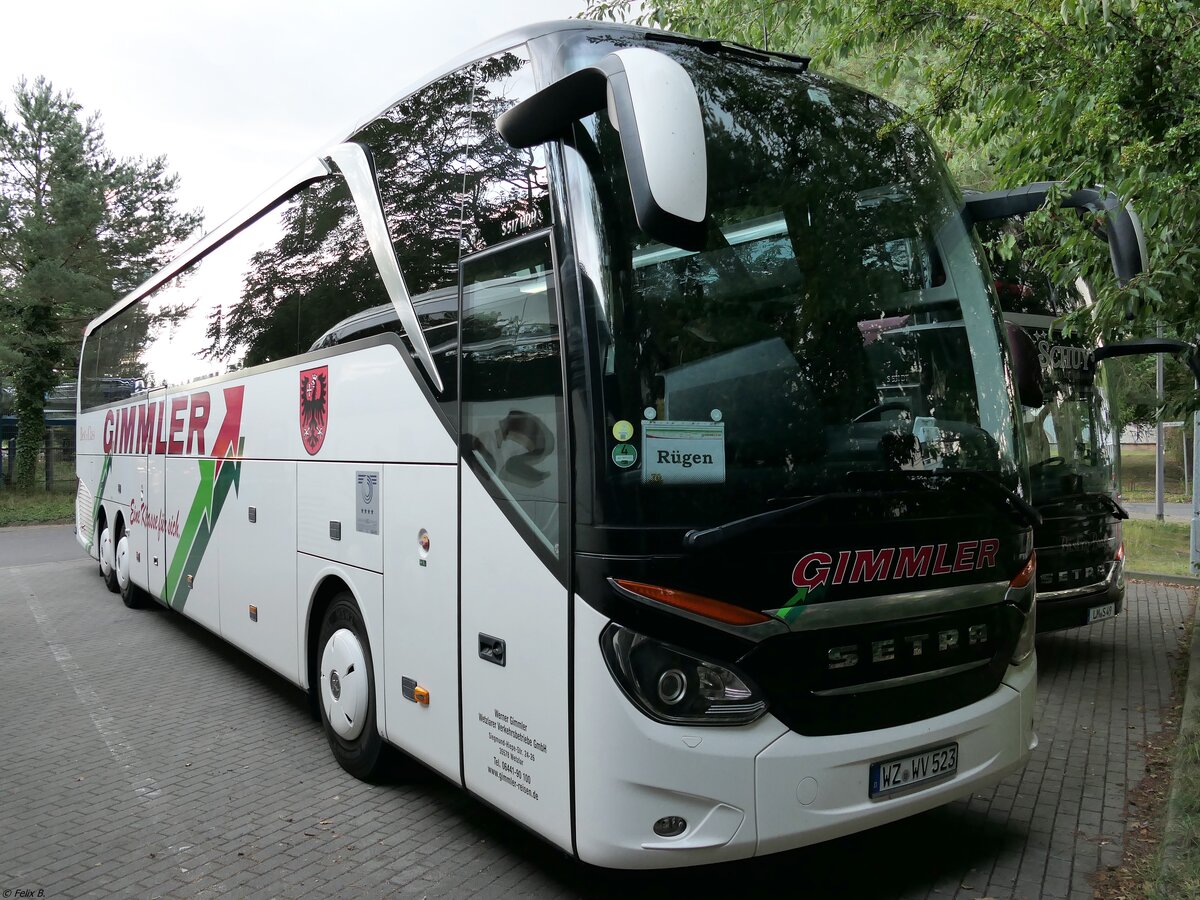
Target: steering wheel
x=1052 y=462
x=879 y=409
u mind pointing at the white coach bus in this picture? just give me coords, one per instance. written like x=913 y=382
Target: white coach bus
x=620 y=425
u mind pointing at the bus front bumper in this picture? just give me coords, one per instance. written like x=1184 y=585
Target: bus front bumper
x=811 y=789
x=760 y=788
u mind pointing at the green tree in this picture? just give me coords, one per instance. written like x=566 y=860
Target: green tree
x=78 y=229
x=1077 y=91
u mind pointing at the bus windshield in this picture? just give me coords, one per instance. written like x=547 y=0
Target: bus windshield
x=836 y=323
x=1069 y=435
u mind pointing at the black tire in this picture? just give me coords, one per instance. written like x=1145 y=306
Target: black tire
x=110 y=577
x=132 y=595
x=130 y=592
x=364 y=754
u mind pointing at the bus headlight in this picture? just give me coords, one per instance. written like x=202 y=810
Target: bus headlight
x=1026 y=640
x=671 y=685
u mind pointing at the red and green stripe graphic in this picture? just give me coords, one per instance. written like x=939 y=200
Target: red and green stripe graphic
x=218 y=473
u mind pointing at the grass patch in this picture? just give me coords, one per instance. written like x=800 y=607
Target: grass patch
x=1159 y=547
x=1180 y=874
x=1137 y=475
x=35 y=508
x=1168 y=866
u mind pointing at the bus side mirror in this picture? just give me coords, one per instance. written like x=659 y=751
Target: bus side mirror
x=1188 y=353
x=652 y=103
x=1027 y=368
x=1122 y=229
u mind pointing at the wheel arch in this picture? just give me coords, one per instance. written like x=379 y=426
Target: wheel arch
x=366 y=589
x=327 y=588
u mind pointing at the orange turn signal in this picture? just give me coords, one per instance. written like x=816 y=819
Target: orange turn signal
x=694 y=603
x=1026 y=574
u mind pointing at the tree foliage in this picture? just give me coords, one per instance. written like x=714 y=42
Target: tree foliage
x=78 y=229
x=1078 y=91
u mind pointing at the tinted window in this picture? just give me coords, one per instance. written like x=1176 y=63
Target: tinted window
x=506 y=190
x=264 y=295
x=834 y=326
x=512 y=383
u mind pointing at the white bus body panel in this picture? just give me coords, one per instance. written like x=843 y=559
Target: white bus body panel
x=327 y=514
x=377 y=411
x=156 y=530
x=515 y=747
x=258 y=565
x=749 y=790
x=420 y=620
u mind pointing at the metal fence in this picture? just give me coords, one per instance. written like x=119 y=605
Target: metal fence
x=56 y=460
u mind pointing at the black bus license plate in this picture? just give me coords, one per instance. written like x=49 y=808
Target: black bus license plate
x=901 y=773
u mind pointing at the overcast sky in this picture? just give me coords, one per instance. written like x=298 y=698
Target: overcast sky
x=237 y=92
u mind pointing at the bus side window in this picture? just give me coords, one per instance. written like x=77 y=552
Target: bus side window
x=506 y=190
x=512 y=417
x=420 y=147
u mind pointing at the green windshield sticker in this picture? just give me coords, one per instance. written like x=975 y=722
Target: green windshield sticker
x=624 y=455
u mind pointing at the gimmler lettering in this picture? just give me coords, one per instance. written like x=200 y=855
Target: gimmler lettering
x=173 y=426
x=890 y=563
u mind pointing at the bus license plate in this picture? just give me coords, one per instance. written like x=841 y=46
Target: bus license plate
x=1098 y=613
x=903 y=772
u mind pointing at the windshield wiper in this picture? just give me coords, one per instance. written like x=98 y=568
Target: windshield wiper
x=1105 y=499
x=699 y=538
x=996 y=490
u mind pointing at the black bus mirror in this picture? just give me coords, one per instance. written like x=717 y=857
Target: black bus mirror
x=1188 y=353
x=1122 y=228
x=1027 y=369
x=652 y=103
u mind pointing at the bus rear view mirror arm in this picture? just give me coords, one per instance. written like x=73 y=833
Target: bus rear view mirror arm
x=352 y=161
x=652 y=103
x=1122 y=229
x=1188 y=353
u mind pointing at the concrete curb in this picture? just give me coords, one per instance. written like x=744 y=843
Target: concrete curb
x=1163 y=579
x=1189 y=729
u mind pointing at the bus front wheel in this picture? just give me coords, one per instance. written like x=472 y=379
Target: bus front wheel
x=347 y=691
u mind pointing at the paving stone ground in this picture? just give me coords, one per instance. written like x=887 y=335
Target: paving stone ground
x=143 y=757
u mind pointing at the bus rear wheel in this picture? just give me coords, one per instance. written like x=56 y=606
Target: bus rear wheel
x=108 y=561
x=347 y=691
x=131 y=594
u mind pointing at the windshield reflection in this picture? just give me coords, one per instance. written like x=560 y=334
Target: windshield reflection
x=836 y=322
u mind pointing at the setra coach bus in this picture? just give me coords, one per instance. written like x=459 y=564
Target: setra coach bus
x=1068 y=407
x=621 y=425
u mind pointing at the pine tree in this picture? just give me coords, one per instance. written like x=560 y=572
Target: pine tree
x=78 y=229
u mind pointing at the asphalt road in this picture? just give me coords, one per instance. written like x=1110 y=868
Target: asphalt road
x=1172 y=512
x=32 y=544
x=145 y=757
